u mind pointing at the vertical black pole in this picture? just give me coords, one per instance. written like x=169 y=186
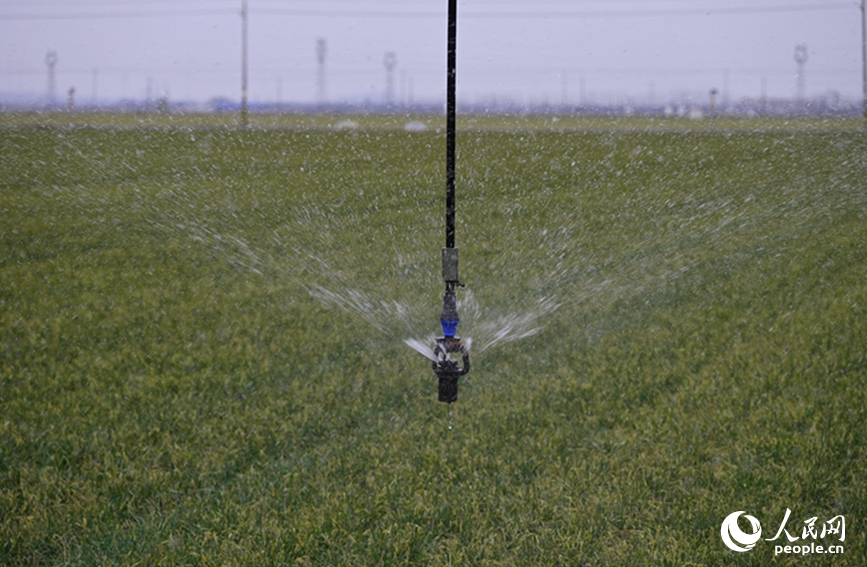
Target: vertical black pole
x=449 y=317
x=447 y=370
x=451 y=106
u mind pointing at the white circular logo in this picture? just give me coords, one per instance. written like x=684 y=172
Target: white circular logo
x=732 y=534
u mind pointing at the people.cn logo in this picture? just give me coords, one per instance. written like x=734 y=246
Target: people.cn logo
x=735 y=538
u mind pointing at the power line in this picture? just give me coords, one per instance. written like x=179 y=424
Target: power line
x=382 y=14
x=668 y=11
x=117 y=15
x=545 y=14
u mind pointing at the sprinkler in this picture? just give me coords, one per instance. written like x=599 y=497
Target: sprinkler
x=445 y=367
x=448 y=370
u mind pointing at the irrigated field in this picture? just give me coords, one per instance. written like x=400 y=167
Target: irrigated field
x=202 y=357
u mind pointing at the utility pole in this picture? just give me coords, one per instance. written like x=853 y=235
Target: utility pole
x=51 y=61
x=279 y=92
x=244 y=63
x=94 y=97
x=764 y=96
x=410 y=92
x=800 y=59
x=390 y=61
x=582 y=93
x=320 y=79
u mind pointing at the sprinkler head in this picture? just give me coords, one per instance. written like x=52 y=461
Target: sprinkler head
x=447 y=370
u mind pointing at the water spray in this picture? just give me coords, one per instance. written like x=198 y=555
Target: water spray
x=448 y=346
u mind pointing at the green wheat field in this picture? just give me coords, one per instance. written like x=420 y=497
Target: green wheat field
x=202 y=326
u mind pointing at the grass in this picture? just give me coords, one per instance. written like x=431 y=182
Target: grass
x=398 y=120
x=173 y=390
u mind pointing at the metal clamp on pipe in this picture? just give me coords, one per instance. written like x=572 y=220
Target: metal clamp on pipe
x=450 y=265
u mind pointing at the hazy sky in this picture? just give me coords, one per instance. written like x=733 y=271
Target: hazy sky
x=545 y=50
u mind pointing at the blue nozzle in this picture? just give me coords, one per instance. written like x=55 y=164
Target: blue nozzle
x=449 y=327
